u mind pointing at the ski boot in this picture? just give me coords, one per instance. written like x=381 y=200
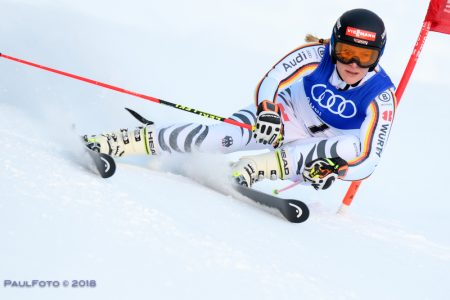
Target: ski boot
x=124 y=142
x=272 y=165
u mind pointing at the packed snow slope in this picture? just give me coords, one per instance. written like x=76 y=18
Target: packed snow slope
x=153 y=230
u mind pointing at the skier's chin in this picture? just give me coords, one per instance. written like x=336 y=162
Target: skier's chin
x=352 y=77
x=351 y=73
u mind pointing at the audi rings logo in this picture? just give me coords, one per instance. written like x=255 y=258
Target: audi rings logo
x=335 y=104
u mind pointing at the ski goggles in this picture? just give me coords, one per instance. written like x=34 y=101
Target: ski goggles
x=363 y=57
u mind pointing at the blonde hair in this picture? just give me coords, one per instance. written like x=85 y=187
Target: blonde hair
x=313 y=39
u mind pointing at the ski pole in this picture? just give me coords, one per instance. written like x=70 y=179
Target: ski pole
x=138 y=95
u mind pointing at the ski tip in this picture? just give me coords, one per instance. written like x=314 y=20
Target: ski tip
x=297 y=212
x=104 y=164
x=108 y=168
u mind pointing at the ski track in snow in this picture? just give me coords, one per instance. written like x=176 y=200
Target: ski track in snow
x=170 y=236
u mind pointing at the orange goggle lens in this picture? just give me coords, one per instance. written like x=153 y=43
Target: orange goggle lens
x=363 y=57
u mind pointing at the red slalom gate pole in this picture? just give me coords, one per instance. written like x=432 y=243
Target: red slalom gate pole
x=124 y=91
x=354 y=186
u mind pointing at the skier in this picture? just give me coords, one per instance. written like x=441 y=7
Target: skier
x=325 y=111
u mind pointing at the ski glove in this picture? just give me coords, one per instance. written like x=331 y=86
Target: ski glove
x=269 y=125
x=322 y=172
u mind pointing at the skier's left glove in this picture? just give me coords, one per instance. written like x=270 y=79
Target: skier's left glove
x=269 y=125
x=322 y=172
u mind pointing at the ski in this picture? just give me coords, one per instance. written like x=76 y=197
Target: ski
x=104 y=163
x=294 y=211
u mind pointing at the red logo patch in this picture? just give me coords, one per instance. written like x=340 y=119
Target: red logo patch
x=361 y=34
x=387 y=115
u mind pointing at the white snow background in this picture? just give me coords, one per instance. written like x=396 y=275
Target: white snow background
x=148 y=233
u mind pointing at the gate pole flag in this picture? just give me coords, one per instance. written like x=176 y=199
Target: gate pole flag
x=438 y=20
x=439 y=16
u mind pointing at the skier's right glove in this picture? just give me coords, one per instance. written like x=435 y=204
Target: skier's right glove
x=322 y=172
x=269 y=125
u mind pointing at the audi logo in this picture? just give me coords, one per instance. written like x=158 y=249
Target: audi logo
x=335 y=104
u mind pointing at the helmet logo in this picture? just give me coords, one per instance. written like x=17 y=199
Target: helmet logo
x=338 y=24
x=361 y=34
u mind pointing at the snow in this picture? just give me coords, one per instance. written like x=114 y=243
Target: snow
x=150 y=232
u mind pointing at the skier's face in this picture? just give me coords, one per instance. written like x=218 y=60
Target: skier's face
x=351 y=73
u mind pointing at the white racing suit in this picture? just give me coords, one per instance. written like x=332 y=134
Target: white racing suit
x=308 y=133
